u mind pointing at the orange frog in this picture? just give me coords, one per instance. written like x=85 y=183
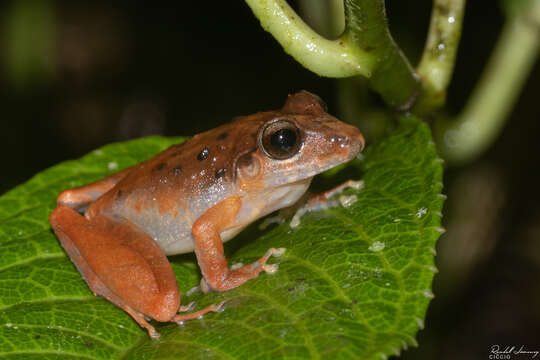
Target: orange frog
x=193 y=197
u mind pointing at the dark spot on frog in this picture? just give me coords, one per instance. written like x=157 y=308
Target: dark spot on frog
x=354 y=302
x=220 y=172
x=290 y=289
x=119 y=194
x=90 y=345
x=223 y=136
x=160 y=166
x=37 y=337
x=203 y=154
x=348 y=232
x=177 y=170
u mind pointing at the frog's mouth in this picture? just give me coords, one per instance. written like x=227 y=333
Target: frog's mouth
x=298 y=174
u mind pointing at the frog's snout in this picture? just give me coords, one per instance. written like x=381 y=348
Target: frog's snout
x=349 y=138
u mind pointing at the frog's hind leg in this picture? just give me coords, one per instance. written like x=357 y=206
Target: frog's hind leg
x=121 y=263
x=80 y=197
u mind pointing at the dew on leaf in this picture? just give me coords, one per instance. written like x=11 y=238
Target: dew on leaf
x=421 y=212
x=377 y=246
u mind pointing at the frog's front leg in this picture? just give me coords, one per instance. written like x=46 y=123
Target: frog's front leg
x=123 y=264
x=209 y=249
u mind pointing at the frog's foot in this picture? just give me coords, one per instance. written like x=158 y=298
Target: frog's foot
x=323 y=200
x=240 y=275
x=179 y=319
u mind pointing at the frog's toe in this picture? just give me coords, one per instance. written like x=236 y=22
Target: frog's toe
x=274 y=252
x=221 y=306
x=188 y=307
x=278 y=252
x=179 y=319
x=153 y=333
x=270 y=268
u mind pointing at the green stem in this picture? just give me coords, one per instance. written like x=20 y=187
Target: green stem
x=365 y=48
x=367 y=26
x=438 y=58
x=483 y=117
x=332 y=58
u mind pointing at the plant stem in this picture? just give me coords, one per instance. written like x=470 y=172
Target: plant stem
x=365 y=48
x=367 y=26
x=483 y=117
x=438 y=58
x=332 y=58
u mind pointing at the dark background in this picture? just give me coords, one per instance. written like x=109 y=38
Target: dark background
x=75 y=76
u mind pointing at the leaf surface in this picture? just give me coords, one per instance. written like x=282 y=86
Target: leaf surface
x=354 y=282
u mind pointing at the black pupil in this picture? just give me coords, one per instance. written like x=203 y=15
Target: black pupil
x=283 y=139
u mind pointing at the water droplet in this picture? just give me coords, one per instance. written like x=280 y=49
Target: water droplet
x=421 y=212
x=376 y=246
x=112 y=166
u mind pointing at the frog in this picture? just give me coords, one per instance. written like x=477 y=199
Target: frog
x=193 y=197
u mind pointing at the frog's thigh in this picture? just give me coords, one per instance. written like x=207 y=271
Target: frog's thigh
x=209 y=248
x=80 y=197
x=119 y=262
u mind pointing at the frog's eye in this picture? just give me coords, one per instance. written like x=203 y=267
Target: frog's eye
x=281 y=139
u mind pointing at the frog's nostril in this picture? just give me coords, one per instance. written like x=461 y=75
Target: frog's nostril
x=338 y=139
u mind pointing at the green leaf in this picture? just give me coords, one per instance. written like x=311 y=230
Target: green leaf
x=354 y=283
